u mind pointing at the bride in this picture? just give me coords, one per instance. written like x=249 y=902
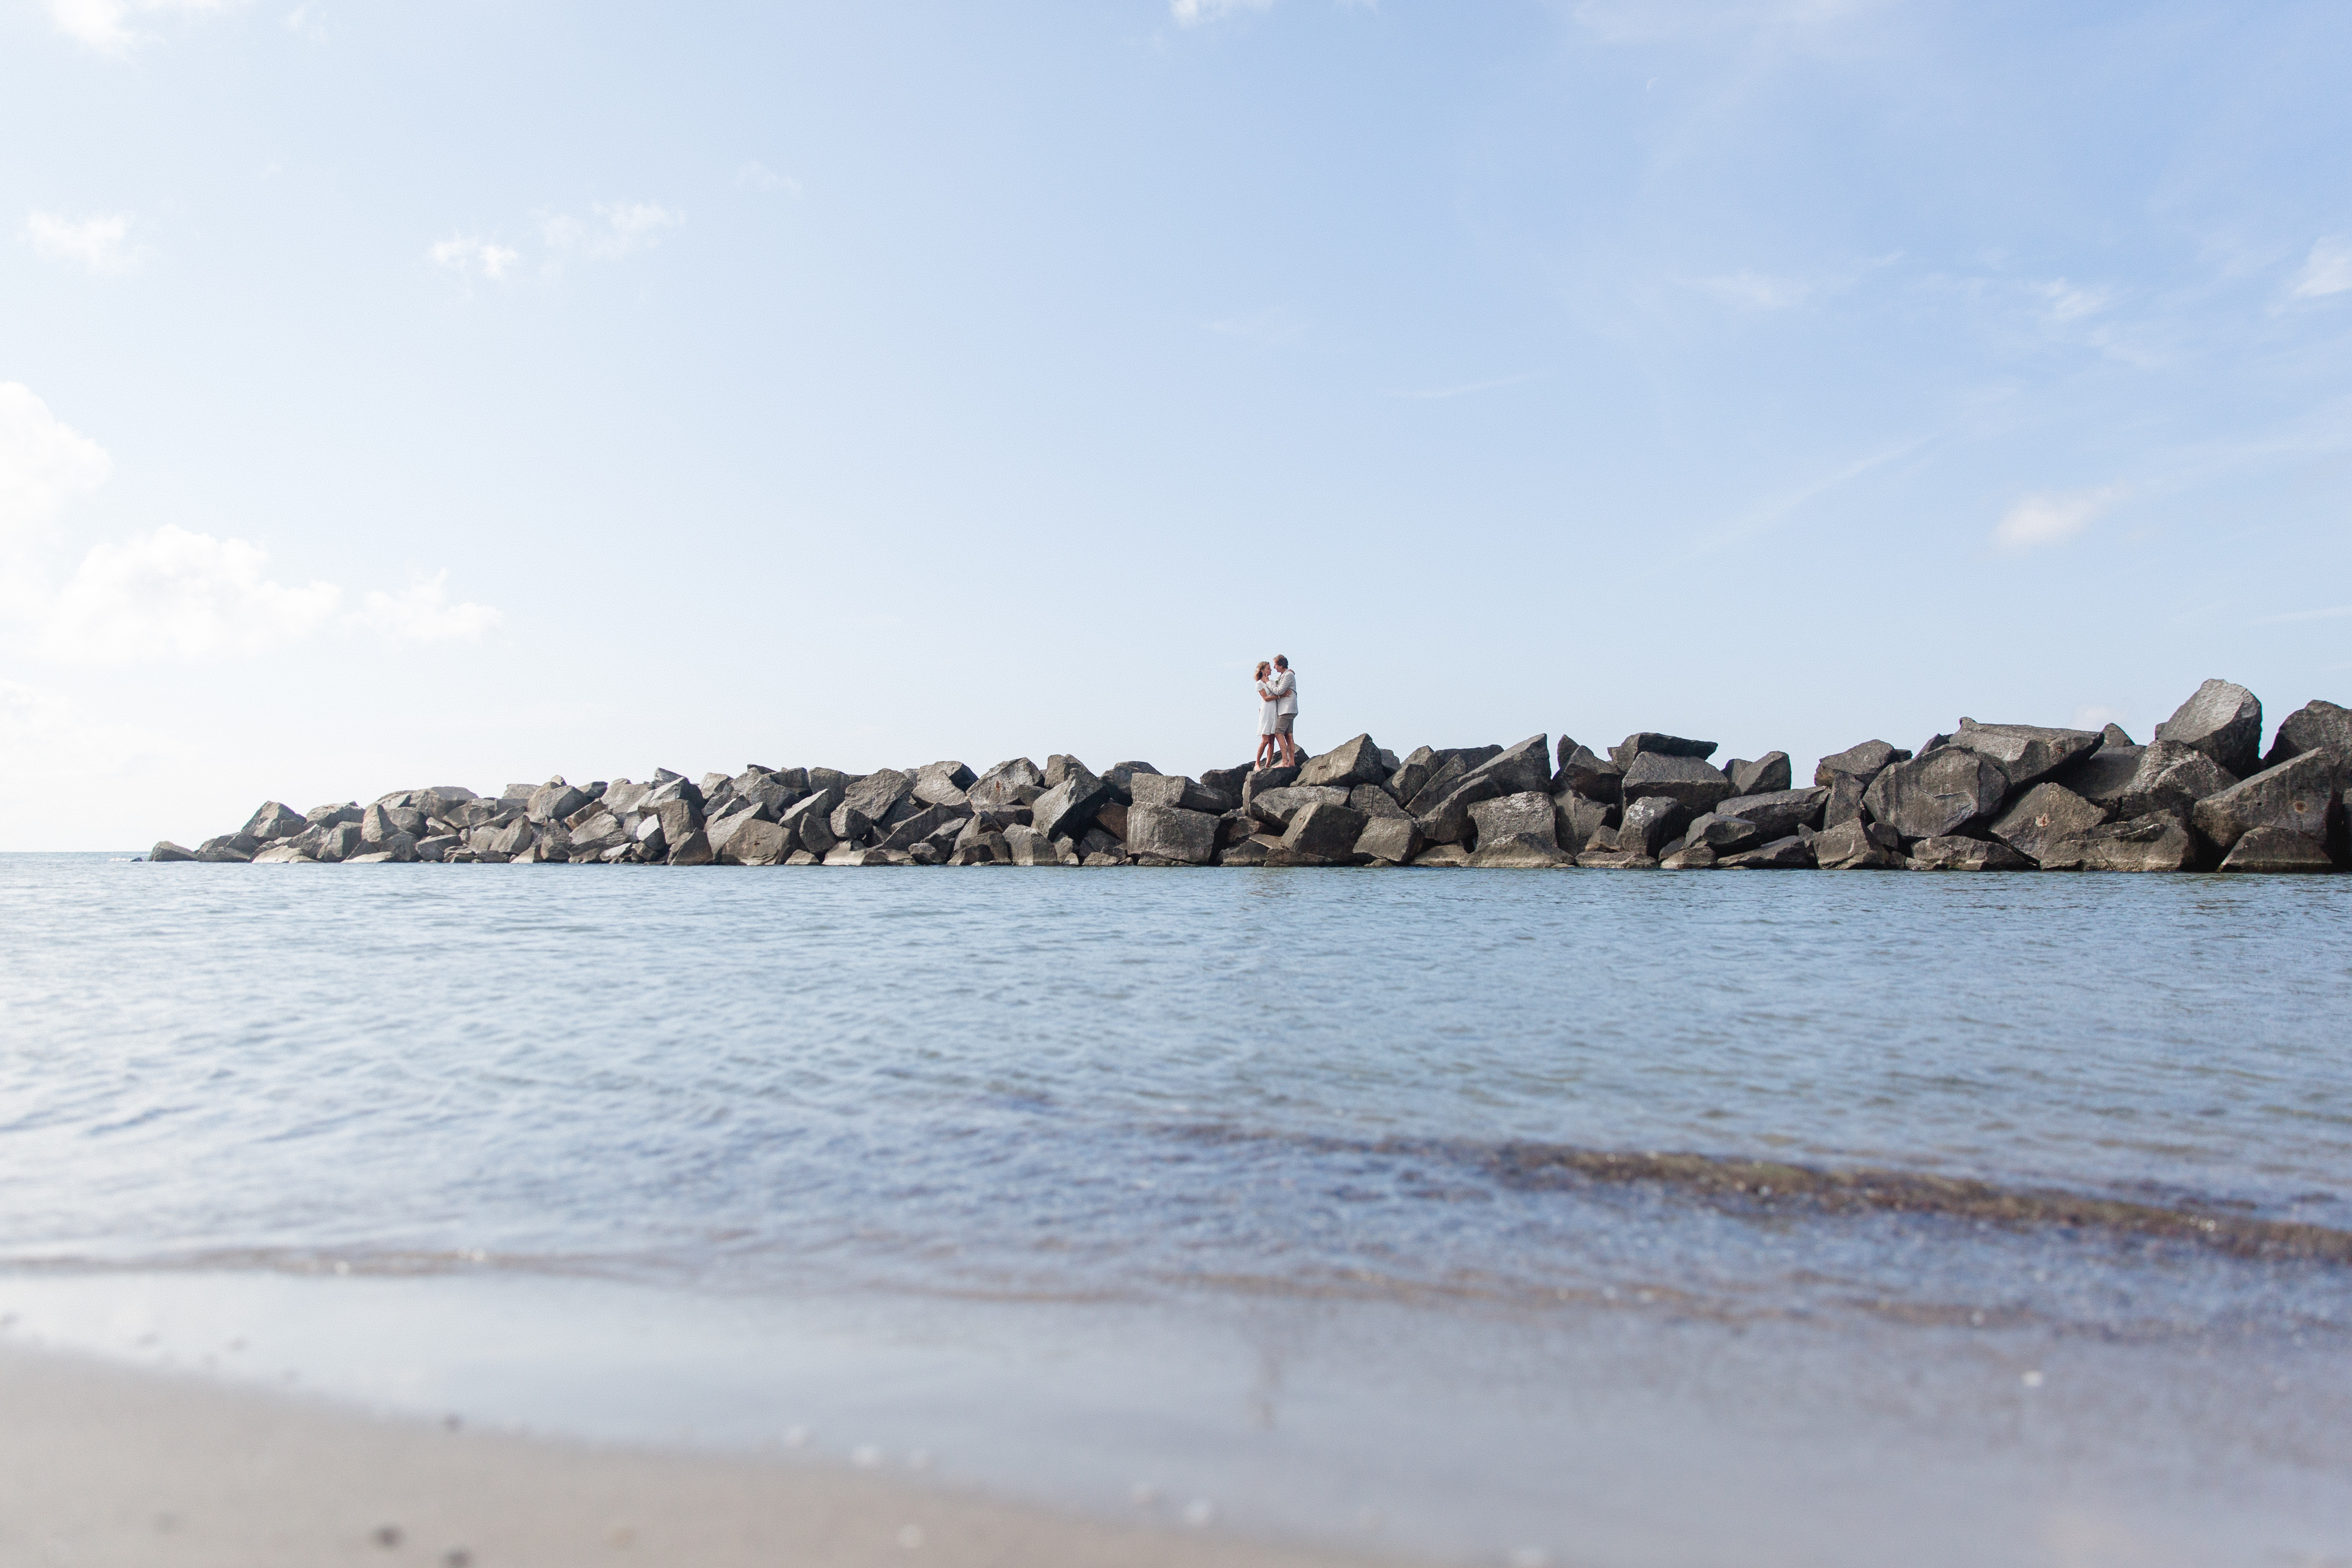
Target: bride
x=1268 y=749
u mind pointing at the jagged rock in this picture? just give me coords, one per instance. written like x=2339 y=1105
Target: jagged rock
x=1861 y=764
x=942 y=783
x=2171 y=778
x=1069 y=805
x=334 y=815
x=1844 y=801
x=1647 y=743
x=554 y=803
x=272 y=821
x=1690 y=858
x=2304 y=793
x=2026 y=753
x=875 y=795
x=1767 y=774
x=1395 y=840
x=2222 y=720
x=2104 y=776
x=801 y=858
x=281 y=852
x=1648 y=823
x=2113 y=735
x=1411 y=774
x=1780 y=813
x=912 y=829
x=2307 y=729
x=442 y=800
x=1937 y=795
x=1262 y=781
x=1521 y=769
x=342 y=841
x=1325 y=830
x=1277 y=807
x=1015 y=783
x=393 y=847
x=1723 y=834
x=1120 y=776
x=2265 y=849
x=601 y=832
x=694 y=849
x=1060 y=769
x=1576 y=817
x=1593 y=777
x=225 y=849
x=2043 y=817
x=165 y=851
x=1374 y=800
x=1789 y=854
x=1686 y=780
x=1112 y=819
x=2156 y=842
x=752 y=841
x=1175 y=790
x=434 y=848
x=1854 y=845
x=1171 y=833
x=1960 y=854
x=680 y=818
x=380 y=821
x=1516 y=830
x=1222 y=785
x=1351 y=762
x=1028 y=846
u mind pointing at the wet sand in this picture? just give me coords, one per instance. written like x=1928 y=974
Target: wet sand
x=101 y=1465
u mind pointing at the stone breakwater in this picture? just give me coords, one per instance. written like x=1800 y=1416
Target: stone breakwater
x=2200 y=795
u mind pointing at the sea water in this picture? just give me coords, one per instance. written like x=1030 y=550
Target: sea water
x=1183 y=1194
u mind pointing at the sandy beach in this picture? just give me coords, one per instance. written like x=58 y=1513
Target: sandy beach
x=103 y=1465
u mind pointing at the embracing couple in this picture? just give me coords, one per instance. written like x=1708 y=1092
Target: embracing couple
x=1277 y=705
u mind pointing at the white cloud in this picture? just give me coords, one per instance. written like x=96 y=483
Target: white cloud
x=760 y=177
x=2051 y=517
x=1757 y=291
x=617 y=228
x=419 y=615
x=95 y=244
x=2068 y=303
x=174 y=594
x=2328 y=271
x=44 y=462
x=1192 y=13
x=104 y=24
x=475 y=257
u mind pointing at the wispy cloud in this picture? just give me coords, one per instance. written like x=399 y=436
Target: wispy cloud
x=2333 y=612
x=2327 y=271
x=475 y=258
x=98 y=243
x=756 y=175
x=419 y=612
x=1757 y=291
x=105 y=25
x=44 y=463
x=612 y=230
x=1437 y=395
x=1192 y=13
x=2067 y=302
x=2052 y=517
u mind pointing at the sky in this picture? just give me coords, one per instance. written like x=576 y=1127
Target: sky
x=467 y=392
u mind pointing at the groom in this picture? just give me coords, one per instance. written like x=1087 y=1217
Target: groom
x=1285 y=686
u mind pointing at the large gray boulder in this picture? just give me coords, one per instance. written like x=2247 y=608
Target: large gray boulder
x=2304 y=793
x=2026 y=753
x=1688 y=781
x=942 y=783
x=554 y=802
x=1374 y=800
x=1275 y=807
x=273 y=820
x=1171 y=833
x=1120 y=776
x=602 y=831
x=1767 y=774
x=1324 y=831
x=1648 y=823
x=2160 y=842
x=1789 y=854
x=1649 y=742
x=1069 y=806
x=1861 y=764
x=1516 y=830
x=1351 y=762
x=343 y=840
x=1725 y=835
x=1391 y=840
x=913 y=830
x=1575 y=819
x=2275 y=850
x=809 y=820
x=2104 y=776
x=1854 y=845
x=1780 y=813
x=443 y=800
x=1030 y=848
x=380 y=821
x=1592 y=776
x=1413 y=772
x=228 y=848
x=2171 y=777
x=1015 y=782
x=2222 y=720
x=165 y=851
x=1843 y=801
x=1521 y=769
x=2307 y=729
x=1959 y=853
x=2044 y=816
x=694 y=849
x=335 y=815
x=1179 y=792
x=874 y=796
x=1941 y=793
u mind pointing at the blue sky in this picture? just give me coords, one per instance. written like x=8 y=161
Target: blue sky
x=467 y=393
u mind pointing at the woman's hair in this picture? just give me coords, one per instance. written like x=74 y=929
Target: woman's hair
x=1262 y=668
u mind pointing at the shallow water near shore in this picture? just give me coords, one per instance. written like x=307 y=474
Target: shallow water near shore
x=1266 y=1193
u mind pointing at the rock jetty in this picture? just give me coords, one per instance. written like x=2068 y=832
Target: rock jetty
x=2199 y=796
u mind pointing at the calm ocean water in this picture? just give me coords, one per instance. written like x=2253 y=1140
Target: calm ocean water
x=1179 y=1190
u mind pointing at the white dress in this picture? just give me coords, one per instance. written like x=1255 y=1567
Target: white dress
x=1265 y=710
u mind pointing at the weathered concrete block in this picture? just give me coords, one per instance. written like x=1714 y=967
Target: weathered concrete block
x=2273 y=850
x=225 y=849
x=2222 y=720
x=2044 y=816
x=1413 y=771
x=1939 y=795
x=1685 y=780
x=281 y=852
x=1520 y=770
x=1171 y=833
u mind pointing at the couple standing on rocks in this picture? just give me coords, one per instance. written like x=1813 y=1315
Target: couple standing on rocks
x=1277 y=706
